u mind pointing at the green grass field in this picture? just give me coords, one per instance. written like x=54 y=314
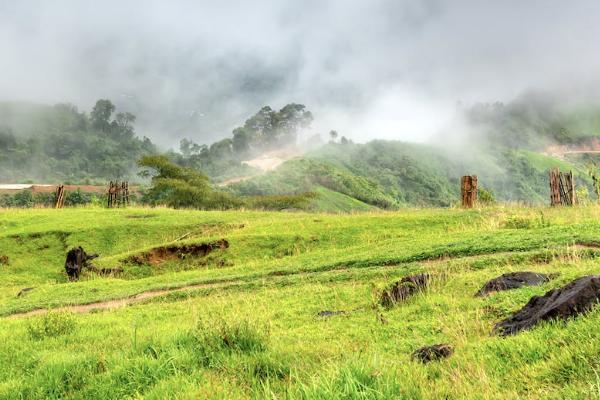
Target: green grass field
x=243 y=322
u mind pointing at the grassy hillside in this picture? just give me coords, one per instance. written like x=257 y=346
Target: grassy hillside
x=242 y=321
x=391 y=174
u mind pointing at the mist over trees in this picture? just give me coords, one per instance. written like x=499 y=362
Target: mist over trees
x=63 y=144
x=266 y=130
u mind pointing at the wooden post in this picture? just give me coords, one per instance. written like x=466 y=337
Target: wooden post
x=59 y=197
x=468 y=190
x=562 y=188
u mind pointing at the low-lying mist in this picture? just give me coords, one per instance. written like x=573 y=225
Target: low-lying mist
x=378 y=69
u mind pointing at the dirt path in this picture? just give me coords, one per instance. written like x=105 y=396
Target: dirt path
x=118 y=303
x=137 y=298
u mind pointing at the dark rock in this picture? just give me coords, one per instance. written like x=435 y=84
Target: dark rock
x=433 y=353
x=24 y=290
x=573 y=299
x=328 y=313
x=404 y=288
x=513 y=280
x=76 y=260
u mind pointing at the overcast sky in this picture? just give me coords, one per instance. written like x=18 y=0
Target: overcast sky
x=373 y=68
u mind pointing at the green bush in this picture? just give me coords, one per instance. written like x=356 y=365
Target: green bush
x=51 y=324
x=486 y=196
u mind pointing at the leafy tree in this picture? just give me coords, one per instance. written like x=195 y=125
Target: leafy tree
x=180 y=187
x=333 y=135
x=101 y=114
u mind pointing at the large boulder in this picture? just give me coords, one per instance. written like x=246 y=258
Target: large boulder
x=433 y=353
x=573 y=299
x=513 y=280
x=403 y=289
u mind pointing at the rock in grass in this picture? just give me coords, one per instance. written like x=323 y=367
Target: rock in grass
x=513 y=280
x=403 y=289
x=327 y=313
x=573 y=299
x=4 y=260
x=433 y=353
x=24 y=291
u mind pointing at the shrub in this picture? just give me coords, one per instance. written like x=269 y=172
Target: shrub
x=486 y=196
x=77 y=198
x=52 y=324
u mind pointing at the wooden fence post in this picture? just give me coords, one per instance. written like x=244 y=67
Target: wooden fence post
x=59 y=197
x=562 y=188
x=468 y=190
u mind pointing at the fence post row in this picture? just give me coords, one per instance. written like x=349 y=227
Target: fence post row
x=118 y=194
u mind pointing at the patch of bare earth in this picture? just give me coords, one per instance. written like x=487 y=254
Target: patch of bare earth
x=158 y=255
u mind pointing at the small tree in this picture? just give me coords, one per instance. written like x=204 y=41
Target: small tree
x=333 y=135
x=101 y=113
x=180 y=187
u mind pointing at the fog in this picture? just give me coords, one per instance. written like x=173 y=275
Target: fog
x=369 y=69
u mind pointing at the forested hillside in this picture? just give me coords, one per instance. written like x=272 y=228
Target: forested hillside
x=506 y=145
x=61 y=144
x=389 y=174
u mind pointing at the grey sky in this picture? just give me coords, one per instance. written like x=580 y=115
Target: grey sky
x=371 y=68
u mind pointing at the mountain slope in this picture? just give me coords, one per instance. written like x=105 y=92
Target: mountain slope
x=390 y=174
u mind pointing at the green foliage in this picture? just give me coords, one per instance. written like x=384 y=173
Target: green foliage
x=533 y=120
x=485 y=196
x=59 y=143
x=28 y=199
x=582 y=195
x=280 y=202
x=51 y=324
x=266 y=130
x=211 y=340
x=180 y=187
x=355 y=381
x=526 y=222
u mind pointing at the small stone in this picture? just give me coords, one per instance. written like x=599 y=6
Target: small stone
x=404 y=288
x=327 y=313
x=433 y=353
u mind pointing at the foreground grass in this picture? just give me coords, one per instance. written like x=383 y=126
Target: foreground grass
x=262 y=337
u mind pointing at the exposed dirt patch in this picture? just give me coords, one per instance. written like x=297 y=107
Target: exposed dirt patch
x=177 y=252
x=4 y=260
x=587 y=245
